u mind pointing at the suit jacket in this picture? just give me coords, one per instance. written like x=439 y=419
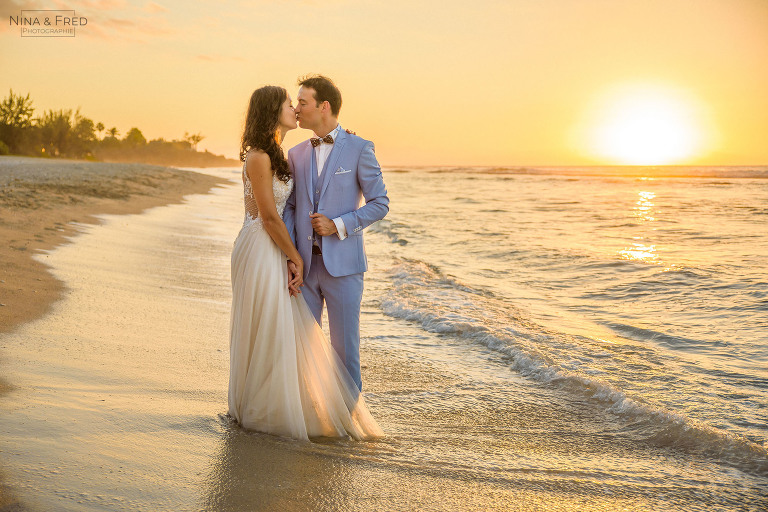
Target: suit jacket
x=351 y=173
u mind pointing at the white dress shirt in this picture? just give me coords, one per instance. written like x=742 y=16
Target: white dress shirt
x=321 y=155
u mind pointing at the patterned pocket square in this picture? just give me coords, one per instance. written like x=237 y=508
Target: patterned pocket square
x=342 y=170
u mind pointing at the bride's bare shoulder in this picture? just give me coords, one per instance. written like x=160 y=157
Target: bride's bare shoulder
x=257 y=162
x=256 y=156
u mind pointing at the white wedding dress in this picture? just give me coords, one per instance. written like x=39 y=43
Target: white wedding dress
x=285 y=378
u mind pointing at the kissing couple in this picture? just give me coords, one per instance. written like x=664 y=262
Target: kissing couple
x=302 y=212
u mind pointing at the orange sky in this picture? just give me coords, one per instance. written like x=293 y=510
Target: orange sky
x=508 y=82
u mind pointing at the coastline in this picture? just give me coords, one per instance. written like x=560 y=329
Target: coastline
x=40 y=203
x=120 y=390
x=40 y=200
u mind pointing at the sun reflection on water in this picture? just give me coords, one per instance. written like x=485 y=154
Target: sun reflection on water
x=644 y=206
x=640 y=250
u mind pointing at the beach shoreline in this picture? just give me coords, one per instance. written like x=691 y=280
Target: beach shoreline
x=41 y=203
x=43 y=200
x=121 y=389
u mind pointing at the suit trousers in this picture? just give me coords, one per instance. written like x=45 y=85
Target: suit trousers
x=342 y=296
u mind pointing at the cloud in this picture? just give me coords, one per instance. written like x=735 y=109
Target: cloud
x=107 y=19
x=17 y=5
x=92 y=5
x=118 y=20
x=220 y=58
x=14 y=8
x=134 y=29
x=152 y=7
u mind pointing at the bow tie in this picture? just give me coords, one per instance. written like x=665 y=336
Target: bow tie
x=317 y=141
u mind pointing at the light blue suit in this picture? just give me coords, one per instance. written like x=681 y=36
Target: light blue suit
x=351 y=173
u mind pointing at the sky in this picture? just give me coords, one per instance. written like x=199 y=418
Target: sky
x=489 y=83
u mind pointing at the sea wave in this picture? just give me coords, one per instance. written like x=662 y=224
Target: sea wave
x=422 y=293
x=390 y=230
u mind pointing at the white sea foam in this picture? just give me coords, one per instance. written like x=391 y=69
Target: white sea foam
x=440 y=304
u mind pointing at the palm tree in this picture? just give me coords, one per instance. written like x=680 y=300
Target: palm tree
x=15 y=120
x=193 y=139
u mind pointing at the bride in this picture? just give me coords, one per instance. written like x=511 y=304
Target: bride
x=285 y=378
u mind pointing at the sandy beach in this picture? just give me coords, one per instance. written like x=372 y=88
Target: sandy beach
x=121 y=392
x=41 y=203
x=41 y=198
x=120 y=389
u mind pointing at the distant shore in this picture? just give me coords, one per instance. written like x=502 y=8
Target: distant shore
x=40 y=198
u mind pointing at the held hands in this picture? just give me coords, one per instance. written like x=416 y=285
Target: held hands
x=295 y=277
x=322 y=225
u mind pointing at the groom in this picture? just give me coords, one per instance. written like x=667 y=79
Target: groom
x=333 y=172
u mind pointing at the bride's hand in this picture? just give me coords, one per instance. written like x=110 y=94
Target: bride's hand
x=296 y=276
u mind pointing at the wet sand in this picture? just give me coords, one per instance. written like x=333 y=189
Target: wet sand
x=41 y=203
x=41 y=198
x=121 y=395
x=122 y=387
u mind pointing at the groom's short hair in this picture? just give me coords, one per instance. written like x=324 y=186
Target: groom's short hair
x=325 y=90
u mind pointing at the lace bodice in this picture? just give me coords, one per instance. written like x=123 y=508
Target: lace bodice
x=280 y=189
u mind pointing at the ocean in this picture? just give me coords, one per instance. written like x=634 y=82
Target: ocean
x=644 y=295
x=532 y=339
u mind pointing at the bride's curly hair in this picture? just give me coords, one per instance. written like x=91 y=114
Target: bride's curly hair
x=261 y=128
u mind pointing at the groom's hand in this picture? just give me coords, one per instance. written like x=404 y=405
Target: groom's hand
x=322 y=225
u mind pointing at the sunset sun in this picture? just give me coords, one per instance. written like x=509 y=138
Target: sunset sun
x=643 y=125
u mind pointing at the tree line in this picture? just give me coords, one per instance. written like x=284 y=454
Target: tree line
x=69 y=134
